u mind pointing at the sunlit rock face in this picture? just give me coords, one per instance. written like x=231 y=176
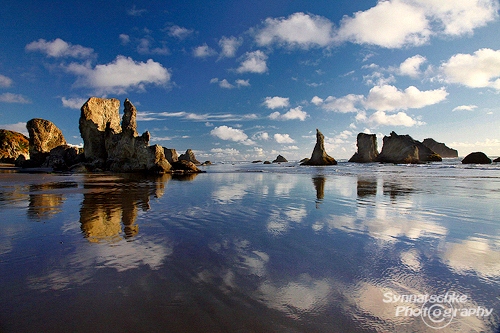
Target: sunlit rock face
x=319 y=155
x=440 y=148
x=367 y=149
x=189 y=156
x=12 y=145
x=404 y=149
x=43 y=137
x=114 y=147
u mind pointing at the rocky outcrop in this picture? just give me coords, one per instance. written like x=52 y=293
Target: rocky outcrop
x=189 y=156
x=118 y=148
x=440 y=148
x=496 y=160
x=185 y=166
x=319 y=155
x=43 y=137
x=404 y=149
x=367 y=149
x=280 y=159
x=171 y=155
x=476 y=158
x=61 y=158
x=12 y=145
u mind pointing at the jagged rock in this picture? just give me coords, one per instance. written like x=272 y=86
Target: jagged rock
x=280 y=159
x=367 y=148
x=319 y=155
x=13 y=145
x=440 y=148
x=61 y=158
x=476 y=158
x=185 y=167
x=189 y=156
x=206 y=163
x=171 y=155
x=96 y=115
x=43 y=137
x=115 y=148
x=404 y=149
x=496 y=159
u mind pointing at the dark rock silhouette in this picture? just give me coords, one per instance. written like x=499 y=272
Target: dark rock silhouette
x=440 y=148
x=404 y=149
x=13 y=145
x=280 y=159
x=496 y=159
x=367 y=148
x=476 y=158
x=319 y=155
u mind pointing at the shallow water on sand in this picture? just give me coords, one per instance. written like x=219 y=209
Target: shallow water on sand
x=252 y=248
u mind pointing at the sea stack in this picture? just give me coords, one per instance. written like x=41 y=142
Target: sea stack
x=43 y=137
x=403 y=149
x=440 y=148
x=319 y=155
x=367 y=149
x=280 y=159
x=476 y=158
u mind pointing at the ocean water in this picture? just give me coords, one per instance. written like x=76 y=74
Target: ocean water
x=253 y=248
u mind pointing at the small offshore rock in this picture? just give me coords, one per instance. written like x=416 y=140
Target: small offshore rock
x=189 y=156
x=280 y=159
x=476 y=158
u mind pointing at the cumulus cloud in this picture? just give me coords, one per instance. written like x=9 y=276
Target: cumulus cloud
x=145 y=47
x=231 y=134
x=253 y=62
x=298 y=30
x=342 y=104
x=276 y=102
x=229 y=46
x=389 y=98
x=411 y=66
x=465 y=108
x=283 y=138
x=14 y=98
x=124 y=39
x=294 y=113
x=478 y=70
x=73 y=103
x=380 y=118
x=224 y=83
x=120 y=75
x=317 y=100
x=5 y=81
x=59 y=48
x=261 y=136
x=179 y=32
x=203 y=51
x=242 y=83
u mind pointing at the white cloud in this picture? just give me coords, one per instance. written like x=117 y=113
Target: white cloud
x=389 y=98
x=73 y=103
x=231 y=134
x=59 y=48
x=342 y=104
x=14 y=98
x=229 y=46
x=283 y=138
x=317 y=100
x=5 y=82
x=390 y=24
x=179 y=32
x=224 y=152
x=465 y=108
x=295 y=113
x=144 y=47
x=253 y=62
x=225 y=84
x=276 y=102
x=120 y=75
x=136 y=12
x=261 y=136
x=298 y=30
x=380 y=118
x=203 y=51
x=411 y=66
x=478 y=70
x=242 y=83
x=19 y=127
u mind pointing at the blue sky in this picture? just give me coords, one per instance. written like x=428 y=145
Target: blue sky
x=240 y=80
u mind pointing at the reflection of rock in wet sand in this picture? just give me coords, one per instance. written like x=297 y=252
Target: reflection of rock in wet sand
x=319 y=185
x=44 y=204
x=111 y=201
x=366 y=186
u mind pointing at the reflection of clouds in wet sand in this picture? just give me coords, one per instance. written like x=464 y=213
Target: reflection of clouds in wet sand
x=280 y=220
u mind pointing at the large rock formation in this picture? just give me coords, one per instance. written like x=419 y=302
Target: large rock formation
x=367 y=148
x=171 y=155
x=440 y=148
x=114 y=147
x=476 y=158
x=44 y=136
x=189 y=156
x=13 y=145
x=98 y=114
x=319 y=155
x=404 y=149
x=280 y=159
